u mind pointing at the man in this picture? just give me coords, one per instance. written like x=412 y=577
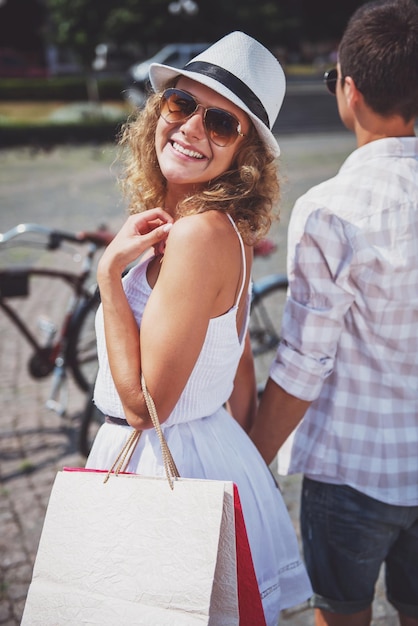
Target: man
x=346 y=371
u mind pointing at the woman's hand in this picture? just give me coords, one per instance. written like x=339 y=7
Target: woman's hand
x=140 y=232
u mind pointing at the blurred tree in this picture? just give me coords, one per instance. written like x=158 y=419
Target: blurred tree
x=323 y=19
x=83 y=24
x=263 y=19
x=147 y=24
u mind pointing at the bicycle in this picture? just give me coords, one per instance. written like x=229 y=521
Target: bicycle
x=69 y=344
x=268 y=297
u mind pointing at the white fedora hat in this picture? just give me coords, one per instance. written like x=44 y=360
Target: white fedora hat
x=242 y=70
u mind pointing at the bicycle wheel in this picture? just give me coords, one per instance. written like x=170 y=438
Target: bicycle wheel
x=91 y=420
x=269 y=296
x=82 y=349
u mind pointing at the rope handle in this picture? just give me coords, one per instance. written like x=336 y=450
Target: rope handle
x=171 y=470
x=124 y=456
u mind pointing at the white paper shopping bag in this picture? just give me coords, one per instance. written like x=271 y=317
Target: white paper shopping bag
x=132 y=551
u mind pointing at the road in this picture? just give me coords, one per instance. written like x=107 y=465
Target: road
x=75 y=188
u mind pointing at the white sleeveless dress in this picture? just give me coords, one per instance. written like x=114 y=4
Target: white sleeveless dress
x=206 y=442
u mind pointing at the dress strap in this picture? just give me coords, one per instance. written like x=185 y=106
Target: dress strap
x=244 y=261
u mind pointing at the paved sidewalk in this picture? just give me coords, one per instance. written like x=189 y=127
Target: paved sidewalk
x=74 y=188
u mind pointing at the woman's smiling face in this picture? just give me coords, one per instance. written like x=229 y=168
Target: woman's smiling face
x=185 y=153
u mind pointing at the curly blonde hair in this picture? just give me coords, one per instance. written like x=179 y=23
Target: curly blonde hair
x=249 y=191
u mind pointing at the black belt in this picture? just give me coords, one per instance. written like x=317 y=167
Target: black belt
x=109 y=419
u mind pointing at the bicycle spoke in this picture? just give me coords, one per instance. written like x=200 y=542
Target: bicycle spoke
x=265 y=322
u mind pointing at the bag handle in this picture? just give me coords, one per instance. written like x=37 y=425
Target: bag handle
x=124 y=456
x=171 y=470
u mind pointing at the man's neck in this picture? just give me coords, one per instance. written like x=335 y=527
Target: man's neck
x=372 y=127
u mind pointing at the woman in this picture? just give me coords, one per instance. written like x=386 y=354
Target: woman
x=203 y=152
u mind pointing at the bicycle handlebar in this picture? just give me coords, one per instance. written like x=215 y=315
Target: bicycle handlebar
x=99 y=238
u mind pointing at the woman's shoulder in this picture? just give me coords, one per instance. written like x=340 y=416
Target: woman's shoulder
x=210 y=227
x=202 y=241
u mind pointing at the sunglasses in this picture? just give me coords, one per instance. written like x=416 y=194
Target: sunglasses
x=222 y=127
x=331 y=79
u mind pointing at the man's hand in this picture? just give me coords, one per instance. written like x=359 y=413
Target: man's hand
x=278 y=415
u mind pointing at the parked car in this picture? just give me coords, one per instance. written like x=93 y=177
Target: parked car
x=176 y=55
x=112 y=60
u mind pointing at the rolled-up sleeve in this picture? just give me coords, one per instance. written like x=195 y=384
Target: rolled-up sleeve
x=320 y=293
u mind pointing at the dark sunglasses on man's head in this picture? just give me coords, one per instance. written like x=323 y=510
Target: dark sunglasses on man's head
x=222 y=127
x=330 y=79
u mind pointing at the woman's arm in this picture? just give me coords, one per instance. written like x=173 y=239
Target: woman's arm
x=243 y=401
x=139 y=233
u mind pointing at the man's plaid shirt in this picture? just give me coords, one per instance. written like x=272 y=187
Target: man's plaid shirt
x=350 y=327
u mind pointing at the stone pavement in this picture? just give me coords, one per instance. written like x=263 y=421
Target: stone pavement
x=74 y=188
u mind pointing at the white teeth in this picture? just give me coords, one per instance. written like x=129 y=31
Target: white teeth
x=190 y=153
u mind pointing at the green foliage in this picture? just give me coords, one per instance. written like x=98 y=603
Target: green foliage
x=145 y=25
x=68 y=89
x=82 y=24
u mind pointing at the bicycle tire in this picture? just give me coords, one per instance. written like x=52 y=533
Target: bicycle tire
x=268 y=298
x=91 y=420
x=82 y=348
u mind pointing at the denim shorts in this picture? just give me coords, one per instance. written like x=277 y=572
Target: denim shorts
x=346 y=538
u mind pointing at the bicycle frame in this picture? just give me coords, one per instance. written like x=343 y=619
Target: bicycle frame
x=74 y=280
x=51 y=355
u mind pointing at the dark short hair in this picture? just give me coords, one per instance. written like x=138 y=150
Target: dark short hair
x=379 y=50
